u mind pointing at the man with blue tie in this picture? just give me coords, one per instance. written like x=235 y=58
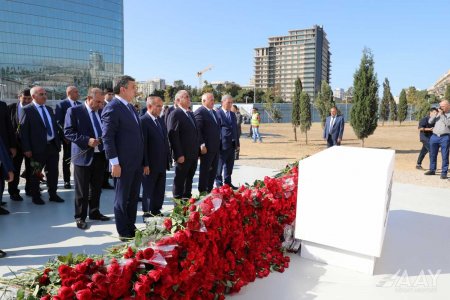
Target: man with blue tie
x=82 y=128
x=41 y=143
x=156 y=158
x=183 y=137
x=229 y=142
x=334 y=128
x=60 y=111
x=209 y=134
x=124 y=147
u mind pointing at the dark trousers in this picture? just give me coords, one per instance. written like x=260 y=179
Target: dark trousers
x=182 y=182
x=208 y=170
x=332 y=142
x=435 y=143
x=126 y=199
x=88 y=187
x=48 y=161
x=67 y=153
x=153 y=189
x=425 y=149
x=226 y=164
x=17 y=161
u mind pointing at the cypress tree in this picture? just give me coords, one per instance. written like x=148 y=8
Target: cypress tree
x=402 y=107
x=393 y=115
x=363 y=116
x=324 y=102
x=305 y=114
x=296 y=105
x=384 y=107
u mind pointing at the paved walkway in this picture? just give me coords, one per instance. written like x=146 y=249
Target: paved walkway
x=417 y=240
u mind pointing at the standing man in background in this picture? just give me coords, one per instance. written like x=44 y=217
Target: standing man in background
x=184 y=141
x=440 y=138
x=239 y=120
x=334 y=128
x=16 y=115
x=7 y=134
x=229 y=142
x=124 y=147
x=109 y=95
x=61 y=110
x=209 y=135
x=156 y=158
x=426 y=130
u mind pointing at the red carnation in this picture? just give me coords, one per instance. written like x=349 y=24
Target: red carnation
x=168 y=223
x=84 y=294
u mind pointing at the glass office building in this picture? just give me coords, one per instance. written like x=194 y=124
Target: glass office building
x=56 y=43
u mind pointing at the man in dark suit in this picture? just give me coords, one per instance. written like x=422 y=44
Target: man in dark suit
x=7 y=134
x=109 y=95
x=229 y=142
x=156 y=158
x=61 y=110
x=6 y=173
x=209 y=135
x=183 y=137
x=41 y=143
x=82 y=128
x=334 y=128
x=16 y=114
x=124 y=147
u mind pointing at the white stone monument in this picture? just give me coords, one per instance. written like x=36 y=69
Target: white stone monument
x=342 y=206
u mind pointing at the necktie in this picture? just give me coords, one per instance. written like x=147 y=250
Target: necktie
x=159 y=127
x=332 y=122
x=131 y=109
x=190 y=118
x=46 y=122
x=98 y=128
x=213 y=116
x=228 y=115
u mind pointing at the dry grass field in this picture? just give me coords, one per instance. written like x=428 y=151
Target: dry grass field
x=279 y=148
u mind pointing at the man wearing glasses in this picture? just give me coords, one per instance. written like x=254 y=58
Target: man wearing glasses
x=41 y=143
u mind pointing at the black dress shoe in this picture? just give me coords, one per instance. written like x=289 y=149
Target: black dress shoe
x=56 y=199
x=3 y=211
x=430 y=173
x=2 y=254
x=82 y=224
x=107 y=186
x=67 y=185
x=419 y=167
x=443 y=176
x=233 y=187
x=100 y=217
x=16 y=197
x=38 y=201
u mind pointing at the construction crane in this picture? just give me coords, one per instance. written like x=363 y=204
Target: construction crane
x=199 y=75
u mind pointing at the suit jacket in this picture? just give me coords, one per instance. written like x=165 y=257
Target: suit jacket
x=33 y=132
x=229 y=137
x=122 y=137
x=156 y=145
x=167 y=114
x=14 y=117
x=338 y=128
x=78 y=129
x=183 y=135
x=208 y=129
x=60 y=111
x=6 y=164
x=6 y=129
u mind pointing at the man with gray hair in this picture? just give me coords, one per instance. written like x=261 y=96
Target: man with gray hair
x=440 y=138
x=229 y=142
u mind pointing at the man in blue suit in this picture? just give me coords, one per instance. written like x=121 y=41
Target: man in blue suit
x=60 y=111
x=208 y=124
x=41 y=143
x=82 y=128
x=6 y=173
x=156 y=158
x=334 y=128
x=229 y=142
x=183 y=137
x=124 y=147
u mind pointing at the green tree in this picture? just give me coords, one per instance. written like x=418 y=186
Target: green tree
x=447 y=92
x=402 y=107
x=296 y=106
x=324 y=102
x=412 y=96
x=273 y=110
x=363 y=116
x=384 y=107
x=393 y=115
x=305 y=114
x=422 y=109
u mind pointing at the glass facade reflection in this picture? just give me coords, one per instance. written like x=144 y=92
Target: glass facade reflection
x=56 y=43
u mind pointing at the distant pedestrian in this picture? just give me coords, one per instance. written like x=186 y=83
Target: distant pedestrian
x=239 y=120
x=334 y=128
x=426 y=131
x=255 y=121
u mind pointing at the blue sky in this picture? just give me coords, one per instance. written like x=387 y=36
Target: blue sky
x=174 y=39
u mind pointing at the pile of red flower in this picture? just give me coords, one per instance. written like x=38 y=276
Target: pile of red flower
x=228 y=240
